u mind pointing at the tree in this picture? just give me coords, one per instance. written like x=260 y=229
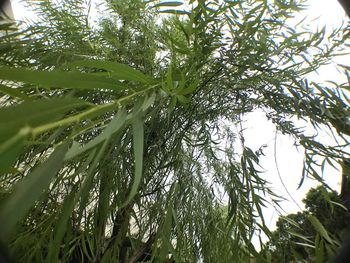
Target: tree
x=114 y=143
x=313 y=234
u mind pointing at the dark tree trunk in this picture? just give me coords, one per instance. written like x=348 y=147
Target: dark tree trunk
x=345 y=185
x=344 y=252
x=346 y=5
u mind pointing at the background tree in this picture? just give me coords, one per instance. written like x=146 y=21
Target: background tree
x=114 y=142
x=299 y=236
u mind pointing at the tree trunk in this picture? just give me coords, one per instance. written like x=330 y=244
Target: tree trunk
x=346 y=5
x=345 y=185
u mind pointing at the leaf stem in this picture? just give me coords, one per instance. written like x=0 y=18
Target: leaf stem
x=85 y=114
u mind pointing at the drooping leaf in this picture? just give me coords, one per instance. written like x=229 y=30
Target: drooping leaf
x=60 y=79
x=112 y=128
x=11 y=148
x=319 y=249
x=169 y=3
x=166 y=234
x=320 y=228
x=29 y=190
x=13 y=92
x=16 y=123
x=182 y=99
x=90 y=163
x=169 y=80
x=149 y=100
x=167 y=227
x=189 y=89
x=116 y=70
x=138 y=142
x=60 y=228
x=172 y=105
x=303 y=237
x=305 y=244
x=34 y=113
x=174 y=12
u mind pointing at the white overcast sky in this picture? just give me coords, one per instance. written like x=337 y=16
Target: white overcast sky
x=259 y=131
x=320 y=13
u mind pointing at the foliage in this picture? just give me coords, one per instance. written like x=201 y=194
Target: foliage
x=314 y=234
x=114 y=142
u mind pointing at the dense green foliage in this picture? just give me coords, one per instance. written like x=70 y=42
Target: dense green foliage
x=298 y=237
x=117 y=136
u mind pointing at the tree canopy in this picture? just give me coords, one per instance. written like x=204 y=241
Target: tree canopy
x=314 y=234
x=117 y=139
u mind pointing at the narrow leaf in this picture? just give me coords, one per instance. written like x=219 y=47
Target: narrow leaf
x=166 y=234
x=61 y=226
x=148 y=102
x=27 y=191
x=169 y=79
x=60 y=79
x=34 y=113
x=174 y=12
x=320 y=228
x=117 y=70
x=166 y=4
x=112 y=128
x=304 y=244
x=138 y=141
x=11 y=148
x=13 y=92
x=182 y=99
x=189 y=89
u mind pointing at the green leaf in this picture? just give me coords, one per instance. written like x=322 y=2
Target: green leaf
x=11 y=148
x=174 y=12
x=338 y=204
x=148 y=102
x=320 y=228
x=16 y=122
x=306 y=239
x=85 y=189
x=169 y=79
x=60 y=228
x=304 y=244
x=33 y=113
x=182 y=99
x=117 y=70
x=112 y=128
x=13 y=92
x=171 y=105
x=60 y=79
x=138 y=141
x=291 y=221
x=170 y=3
x=189 y=89
x=319 y=250
x=166 y=234
x=29 y=190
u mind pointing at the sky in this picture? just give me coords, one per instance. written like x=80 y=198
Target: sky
x=284 y=173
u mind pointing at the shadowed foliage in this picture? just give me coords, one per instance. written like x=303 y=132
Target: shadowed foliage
x=314 y=234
